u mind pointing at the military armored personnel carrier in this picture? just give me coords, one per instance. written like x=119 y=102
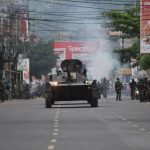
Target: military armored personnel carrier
x=71 y=84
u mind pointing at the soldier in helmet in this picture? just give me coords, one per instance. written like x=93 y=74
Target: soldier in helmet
x=118 y=88
x=143 y=89
x=2 y=94
x=133 y=86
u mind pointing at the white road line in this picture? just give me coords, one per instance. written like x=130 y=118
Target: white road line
x=129 y=122
x=56 y=126
x=53 y=140
x=55 y=133
x=120 y=116
x=56 y=120
x=56 y=123
x=135 y=125
x=56 y=130
x=142 y=129
x=56 y=117
x=50 y=147
x=124 y=119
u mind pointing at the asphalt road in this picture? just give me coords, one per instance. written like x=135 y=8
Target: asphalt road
x=114 y=125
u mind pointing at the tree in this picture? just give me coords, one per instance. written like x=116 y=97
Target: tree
x=145 y=62
x=42 y=58
x=128 y=22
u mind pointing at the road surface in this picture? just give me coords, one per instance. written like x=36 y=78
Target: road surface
x=114 y=125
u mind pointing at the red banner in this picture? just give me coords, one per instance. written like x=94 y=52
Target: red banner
x=75 y=50
x=24 y=28
x=145 y=26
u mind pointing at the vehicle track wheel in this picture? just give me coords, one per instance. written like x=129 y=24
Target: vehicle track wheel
x=48 y=102
x=94 y=102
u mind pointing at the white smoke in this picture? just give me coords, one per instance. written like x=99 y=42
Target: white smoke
x=91 y=28
x=103 y=61
x=102 y=64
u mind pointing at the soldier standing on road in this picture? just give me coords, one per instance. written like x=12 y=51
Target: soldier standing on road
x=2 y=91
x=118 y=88
x=143 y=89
x=133 y=86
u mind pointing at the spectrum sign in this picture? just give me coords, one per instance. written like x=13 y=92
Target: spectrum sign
x=75 y=50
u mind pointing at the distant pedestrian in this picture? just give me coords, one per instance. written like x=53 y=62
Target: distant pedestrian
x=133 y=86
x=118 y=89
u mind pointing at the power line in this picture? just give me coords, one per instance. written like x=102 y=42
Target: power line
x=79 y=6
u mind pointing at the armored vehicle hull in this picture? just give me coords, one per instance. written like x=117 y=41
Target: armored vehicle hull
x=76 y=89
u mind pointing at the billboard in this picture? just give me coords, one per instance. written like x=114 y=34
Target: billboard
x=75 y=50
x=23 y=65
x=145 y=26
x=24 y=36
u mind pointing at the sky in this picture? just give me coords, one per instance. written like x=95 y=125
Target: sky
x=81 y=20
x=71 y=15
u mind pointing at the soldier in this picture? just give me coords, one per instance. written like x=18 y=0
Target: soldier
x=143 y=88
x=148 y=95
x=48 y=94
x=104 y=87
x=133 y=86
x=99 y=86
x=2 y=91
x=118 y=88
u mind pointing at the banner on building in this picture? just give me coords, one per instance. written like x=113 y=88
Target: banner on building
x=24 y=35
x=23 y=65
x=145 y=26
x=75 y=50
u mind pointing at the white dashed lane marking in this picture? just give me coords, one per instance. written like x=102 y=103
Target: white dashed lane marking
x=53 y=140
x=135 y=125
x=55 y=130
x=56 y=120
x=56 y=126
x=142 y=129
x=129 y=122
x=51 y=147
x=56 y=123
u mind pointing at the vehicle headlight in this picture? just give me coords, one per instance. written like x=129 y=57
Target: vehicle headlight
x=137 y=92
x=88 y=82
x=54 y=83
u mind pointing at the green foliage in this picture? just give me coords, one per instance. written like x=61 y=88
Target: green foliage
x=127 y=53
x=145 y=62
x=129 y=23
x=42 y=58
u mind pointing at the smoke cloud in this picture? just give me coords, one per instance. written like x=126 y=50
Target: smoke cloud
x=102 y=64
x=85 y=23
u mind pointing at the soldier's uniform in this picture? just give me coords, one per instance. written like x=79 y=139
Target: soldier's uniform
x=143 y=89
x=2 y=94
x=118 y=88
x=133 y=86
x=148 y=91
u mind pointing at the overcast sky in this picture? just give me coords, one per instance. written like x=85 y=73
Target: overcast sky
x=71 y=15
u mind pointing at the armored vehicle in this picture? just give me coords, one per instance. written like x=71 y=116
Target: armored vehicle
x=71 y=84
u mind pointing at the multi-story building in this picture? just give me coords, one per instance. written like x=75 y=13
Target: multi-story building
x=13 y=32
